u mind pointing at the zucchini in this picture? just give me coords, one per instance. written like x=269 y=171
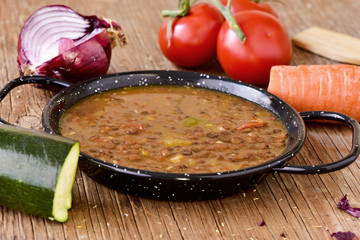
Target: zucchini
x=37 y=172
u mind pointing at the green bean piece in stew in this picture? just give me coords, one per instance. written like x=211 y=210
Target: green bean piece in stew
x=175 y=129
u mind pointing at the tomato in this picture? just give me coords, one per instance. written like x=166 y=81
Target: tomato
x=243 y=5
x=193 y=38
x=267 y=44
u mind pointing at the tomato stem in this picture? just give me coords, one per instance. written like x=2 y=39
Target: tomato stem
x=226 y=12
x=183 y=9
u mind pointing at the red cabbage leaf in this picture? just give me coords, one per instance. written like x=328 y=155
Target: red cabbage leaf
x=344 y=235
x=262 y=223
x=344 y=205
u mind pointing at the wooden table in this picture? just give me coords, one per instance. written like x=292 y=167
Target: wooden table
x=297 y=206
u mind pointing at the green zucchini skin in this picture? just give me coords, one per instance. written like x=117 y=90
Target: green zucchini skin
x=30 y=164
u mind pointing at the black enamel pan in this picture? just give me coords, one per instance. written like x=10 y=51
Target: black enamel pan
x=171 y=186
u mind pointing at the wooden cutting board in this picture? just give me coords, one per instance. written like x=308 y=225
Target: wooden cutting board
x=329 y=44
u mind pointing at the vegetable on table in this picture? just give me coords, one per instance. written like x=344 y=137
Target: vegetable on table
x=345 y=205
x=56 y=41
x=244 y=5
x=343 y=235
x=318 y=87
x=246 y=45
x=266 y=44
x=37 y=172
x=187 y=37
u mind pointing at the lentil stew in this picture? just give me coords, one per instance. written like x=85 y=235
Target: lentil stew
x=175 y=129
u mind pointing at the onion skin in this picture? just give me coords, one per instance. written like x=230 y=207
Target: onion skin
x=78 y=58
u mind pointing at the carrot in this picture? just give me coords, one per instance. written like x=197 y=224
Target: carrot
x=253 y=123
x=318 y=87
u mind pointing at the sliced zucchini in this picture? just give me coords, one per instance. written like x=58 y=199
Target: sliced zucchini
x=37 y=172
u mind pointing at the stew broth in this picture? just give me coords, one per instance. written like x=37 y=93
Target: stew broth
x=174 y=129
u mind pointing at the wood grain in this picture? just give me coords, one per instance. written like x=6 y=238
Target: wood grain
x=298 y=206
x=327 y=43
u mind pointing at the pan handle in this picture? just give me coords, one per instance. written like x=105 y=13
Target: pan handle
x=330 y=167
x=27 y=80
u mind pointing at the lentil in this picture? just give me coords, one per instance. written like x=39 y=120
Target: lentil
x=175 y=129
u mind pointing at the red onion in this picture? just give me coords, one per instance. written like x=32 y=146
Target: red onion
x=56 y=41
